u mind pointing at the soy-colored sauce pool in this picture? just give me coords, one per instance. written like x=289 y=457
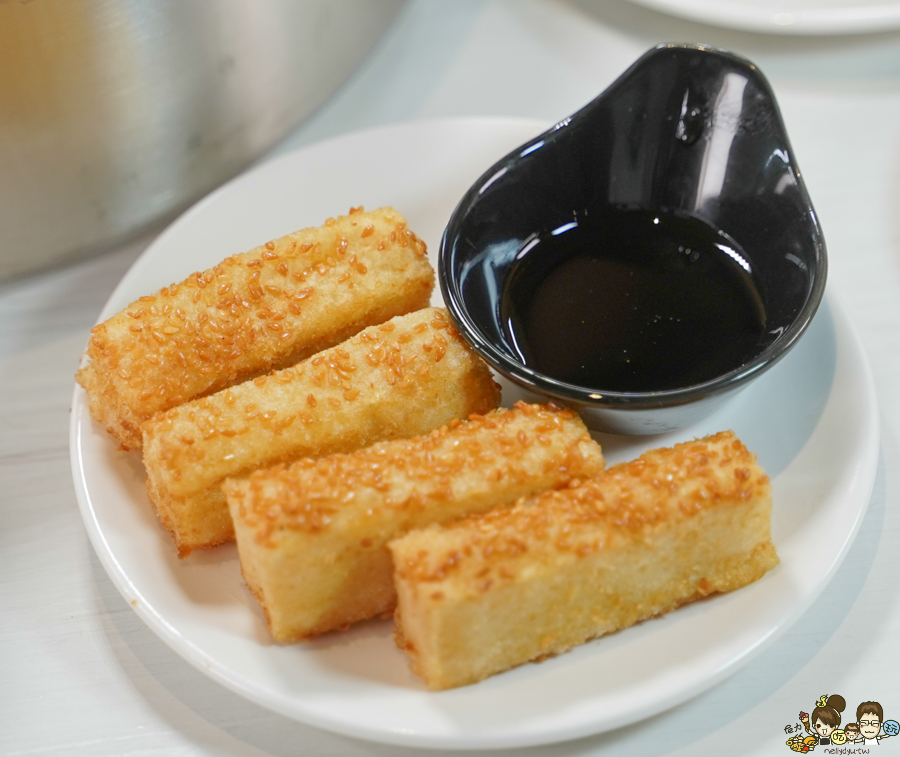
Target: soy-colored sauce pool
x=632 y=301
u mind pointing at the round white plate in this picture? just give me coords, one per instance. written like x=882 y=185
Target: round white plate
x=812 y=420
x=787 y=16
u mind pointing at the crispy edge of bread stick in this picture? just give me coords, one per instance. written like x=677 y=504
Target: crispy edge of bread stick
x=254 y=312
x=492 y=591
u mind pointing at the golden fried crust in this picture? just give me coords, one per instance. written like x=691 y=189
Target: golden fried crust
x=252 y=313
x=492 y=591
x=404 y=377
x=312 y=536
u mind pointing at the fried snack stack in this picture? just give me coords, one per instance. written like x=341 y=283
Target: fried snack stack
x=252 y=313
x=405 y=377
x=312 y=536
x=495 y=590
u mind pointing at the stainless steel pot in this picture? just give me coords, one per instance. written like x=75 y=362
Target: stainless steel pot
x=117 y=113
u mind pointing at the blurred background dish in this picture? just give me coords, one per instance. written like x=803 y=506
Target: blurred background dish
x=114 y=115
x=786 y=16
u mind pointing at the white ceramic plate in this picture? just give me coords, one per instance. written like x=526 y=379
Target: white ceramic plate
x=787 y=16
x=812 y=420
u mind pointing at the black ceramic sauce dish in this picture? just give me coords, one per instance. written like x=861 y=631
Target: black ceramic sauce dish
x=648 y=255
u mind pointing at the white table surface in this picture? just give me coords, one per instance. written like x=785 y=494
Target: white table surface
x=79 y=672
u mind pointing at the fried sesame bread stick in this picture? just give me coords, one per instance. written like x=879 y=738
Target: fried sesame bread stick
x=252 y=313
x=492 y=591
x=402 y=378
x=312 y=536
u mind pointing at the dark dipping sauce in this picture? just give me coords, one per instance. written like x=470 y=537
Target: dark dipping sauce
x=632 y=301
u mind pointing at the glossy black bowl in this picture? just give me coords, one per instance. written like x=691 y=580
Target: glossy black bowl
x=687 y=130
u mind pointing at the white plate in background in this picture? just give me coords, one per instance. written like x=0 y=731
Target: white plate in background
x=812 y=420
x=786 y=16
